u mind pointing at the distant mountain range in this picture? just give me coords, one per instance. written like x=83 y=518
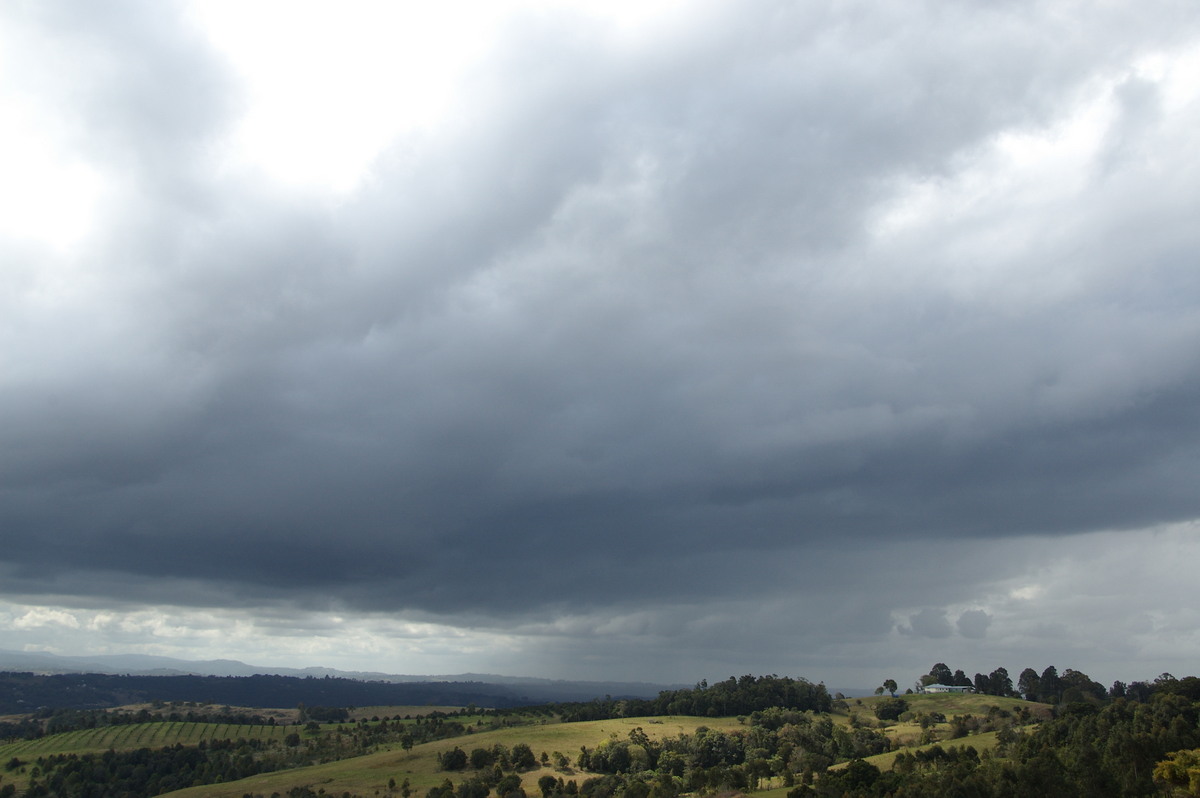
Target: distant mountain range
x=535 y=690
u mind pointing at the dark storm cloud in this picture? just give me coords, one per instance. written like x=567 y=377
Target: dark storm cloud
x=622 y=329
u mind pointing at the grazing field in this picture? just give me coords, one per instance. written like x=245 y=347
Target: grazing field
x=132 y=736
x=908 y=731
x=949 y=704
x=980 y=742
x=366 y=774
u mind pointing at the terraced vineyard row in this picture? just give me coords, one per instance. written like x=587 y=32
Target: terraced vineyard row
x=137 y=735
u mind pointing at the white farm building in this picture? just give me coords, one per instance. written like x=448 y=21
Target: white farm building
x=947 y=688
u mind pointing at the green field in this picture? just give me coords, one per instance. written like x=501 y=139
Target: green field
x=908 y=732
x=950 y=704
x=137 y=735
x=980 y=742
x=157 y=734
x=130 y=737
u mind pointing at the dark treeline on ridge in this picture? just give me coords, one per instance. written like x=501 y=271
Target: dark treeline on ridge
x=26 y=692
x=722 y=699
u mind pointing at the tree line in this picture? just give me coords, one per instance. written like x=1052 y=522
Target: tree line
x=734 y=696
x=1051 y=687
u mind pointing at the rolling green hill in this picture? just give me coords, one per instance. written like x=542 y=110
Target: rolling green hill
x=365 y=774
x=346 y=759
x=984 y=741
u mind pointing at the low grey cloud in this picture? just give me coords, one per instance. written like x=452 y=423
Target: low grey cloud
x=670 y=327
x=973 y=624
x=928 y=622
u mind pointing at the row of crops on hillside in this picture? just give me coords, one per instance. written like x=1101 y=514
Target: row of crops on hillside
x=139 y=735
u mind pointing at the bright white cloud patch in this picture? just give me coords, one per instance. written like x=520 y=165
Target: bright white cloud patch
x=49 y=194
x=328 y=89
x=261 y=637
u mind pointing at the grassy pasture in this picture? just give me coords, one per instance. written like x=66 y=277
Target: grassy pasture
x=908 y=733
x=949 y=704
x=774 y=792
x=132 y=736
x=980 y=742
x=366 y=774
x=158 y=734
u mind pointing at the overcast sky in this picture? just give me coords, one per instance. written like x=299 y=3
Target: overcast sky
x=647 y=340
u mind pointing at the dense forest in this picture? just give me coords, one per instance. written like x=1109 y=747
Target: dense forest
x=26 y=692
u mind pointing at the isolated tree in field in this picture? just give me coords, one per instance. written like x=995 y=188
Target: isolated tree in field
x=891 y=686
